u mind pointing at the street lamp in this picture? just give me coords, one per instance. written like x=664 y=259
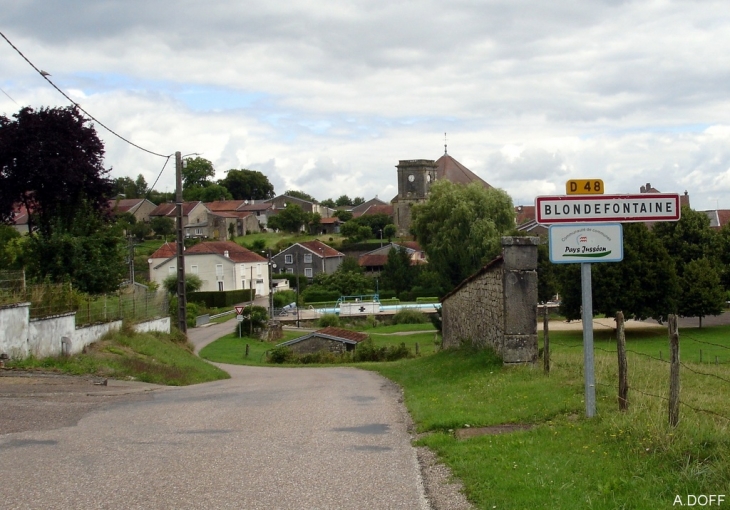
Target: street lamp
x=381 y=236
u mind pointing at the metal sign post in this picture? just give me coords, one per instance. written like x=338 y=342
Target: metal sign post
x=588 y=363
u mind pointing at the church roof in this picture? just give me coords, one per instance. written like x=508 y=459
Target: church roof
x=450 y=169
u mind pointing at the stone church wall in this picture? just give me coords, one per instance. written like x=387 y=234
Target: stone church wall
x=496 y=307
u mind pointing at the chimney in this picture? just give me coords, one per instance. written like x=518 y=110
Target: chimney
x=225 y=254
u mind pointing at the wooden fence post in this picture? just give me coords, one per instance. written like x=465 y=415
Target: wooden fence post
x=546 y=341
x=673 y=372
x=623 y=383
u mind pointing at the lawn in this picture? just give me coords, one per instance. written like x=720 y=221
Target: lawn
x=617 y=460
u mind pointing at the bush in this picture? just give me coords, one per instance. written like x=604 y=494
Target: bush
x=283 y=298
x=409 y=316
x=282 y=355
x=367 y=351
x=221 y=299
x=319 y=295
x=254 y=319
x=328 y=319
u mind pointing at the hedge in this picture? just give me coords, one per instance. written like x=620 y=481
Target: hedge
x=220 y=299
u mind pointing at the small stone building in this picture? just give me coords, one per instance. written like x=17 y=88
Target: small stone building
x=330 y=339
x=497 y=306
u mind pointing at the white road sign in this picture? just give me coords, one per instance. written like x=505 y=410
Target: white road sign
x=586 y=242
x=550 y=210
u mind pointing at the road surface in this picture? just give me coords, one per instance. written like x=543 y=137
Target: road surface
x=268 y=438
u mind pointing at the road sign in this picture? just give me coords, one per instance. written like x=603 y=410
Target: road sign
x=239 y=318
x=239 y=310
x=584 y=187
x=550 y=210
x=586 y=242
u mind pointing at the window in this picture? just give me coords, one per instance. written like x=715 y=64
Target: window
x=220 y=285
x=258 y=269
x=308 y=272
x=290 y=270
x=243 y=269
x=193 y=269
x=288 y=259
x=219 y=269
x=307 y=258
x=198 y=231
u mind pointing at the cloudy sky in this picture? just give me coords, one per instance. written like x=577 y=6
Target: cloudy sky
x=327 y=96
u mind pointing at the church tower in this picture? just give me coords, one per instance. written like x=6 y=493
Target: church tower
x=414 y=181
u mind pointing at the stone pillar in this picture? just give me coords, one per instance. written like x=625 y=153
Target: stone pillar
x=520 y=299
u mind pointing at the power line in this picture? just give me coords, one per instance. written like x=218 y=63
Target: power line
x=45 y=76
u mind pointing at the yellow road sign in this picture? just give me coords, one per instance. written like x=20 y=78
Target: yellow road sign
x=584 y=187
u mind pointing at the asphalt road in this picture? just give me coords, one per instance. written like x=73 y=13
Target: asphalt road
x=268 y=438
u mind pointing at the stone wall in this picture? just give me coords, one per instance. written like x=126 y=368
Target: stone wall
x=316 y=344
x=496 y=307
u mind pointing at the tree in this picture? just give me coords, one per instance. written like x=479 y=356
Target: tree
x=89 y=253
x=192 y=283
x=352 y=231
x=398 y=274
x=247 y=185
x=350 y=265
x=209 y=193
x=389 y=231
x=51 y=160
x=314 y=221
x=141 y=187
x=124 y=187
x=690 y=238
x=342 y=215
x=162 y=226
x=343 y=200
x=376 y=222
x=722 y=253
x=197 y=172
x=643 y=285
x=300 y=195
x=702 y=291
x=459 y=227
x=140 y=230
x=290 y=219
x=328 y=203
x=346 y=283
x=357 y=201
x=8 y=236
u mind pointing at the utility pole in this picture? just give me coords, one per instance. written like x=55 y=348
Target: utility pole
x=181 y=299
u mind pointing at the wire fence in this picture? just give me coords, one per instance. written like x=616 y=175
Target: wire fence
x=704 y=367
x=133 y=303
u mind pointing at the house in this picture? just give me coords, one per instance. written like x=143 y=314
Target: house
x=140 y=208
x=525 y=221
x=223 y=213
x=359 y=210
x=373 y=261
x=281 y=201
x=20 y=218
x=718 y=218
x=308 y=258
x=330 y=225
x=259 y=209
x=220 y=265
x=194 y=216
x=331 y=339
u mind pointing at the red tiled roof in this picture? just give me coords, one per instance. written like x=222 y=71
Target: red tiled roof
x=343 y=333
x=450 y=169
x=124 y=204
x=373 y=260
x=321 y=249
x=236 y=252
x=332 y=220
x=20 y=214
x=262 y=206
x=224 y=205
x=377 y=209
x=724 y=216
x=168 y=209
x=165 y=251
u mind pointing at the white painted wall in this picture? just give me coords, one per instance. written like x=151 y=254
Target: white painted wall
x=14 y=329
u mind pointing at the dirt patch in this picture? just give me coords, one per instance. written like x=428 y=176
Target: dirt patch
x=466 y=433
x=31 y=401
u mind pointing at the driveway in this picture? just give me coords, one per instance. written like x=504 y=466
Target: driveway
x=266 y=438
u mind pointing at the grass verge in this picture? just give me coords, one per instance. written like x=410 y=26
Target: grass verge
x=147 y=357
x=616 y=460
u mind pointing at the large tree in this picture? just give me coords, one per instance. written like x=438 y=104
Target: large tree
x=301 y=195
x=643 y=285
x=459 y=227
x=247 y=185
x=398 y=274
x=197 y=172
x=89 y=253
x=51 y=160
x=290 y=219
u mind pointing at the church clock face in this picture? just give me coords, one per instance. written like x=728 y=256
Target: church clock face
x=411 y=178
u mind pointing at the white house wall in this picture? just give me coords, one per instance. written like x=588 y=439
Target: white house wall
x=204 y=265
